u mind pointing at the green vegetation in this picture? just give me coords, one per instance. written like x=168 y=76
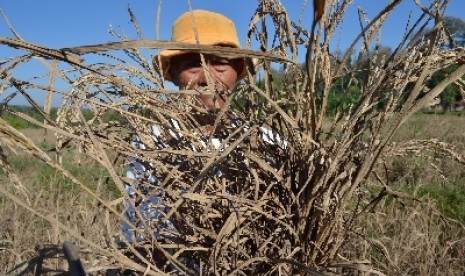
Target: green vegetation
x=47 y=178
x=448 y=196
x=347 y=89
x=302 y=203
x=19 y=123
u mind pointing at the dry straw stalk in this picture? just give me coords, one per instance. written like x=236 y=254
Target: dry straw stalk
x=281 y=208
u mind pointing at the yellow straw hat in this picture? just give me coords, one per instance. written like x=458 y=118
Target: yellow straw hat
x=199 y=27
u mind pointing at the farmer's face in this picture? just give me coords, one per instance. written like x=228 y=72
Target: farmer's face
x=187 y=73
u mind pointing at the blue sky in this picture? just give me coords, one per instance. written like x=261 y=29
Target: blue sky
x=63 y=23
x=66 y=23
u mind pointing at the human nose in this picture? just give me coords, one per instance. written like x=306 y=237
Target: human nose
x=202 y=79
x=210 y=76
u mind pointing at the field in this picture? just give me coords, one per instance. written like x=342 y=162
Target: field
x=328 y=165
x=424 y=236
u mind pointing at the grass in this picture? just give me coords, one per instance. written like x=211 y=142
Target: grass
x=448 y=196
x=426 y=237
x=23 y=235
x=443 y=183
x=443 y=188
x=444 y=126
x=294 y=207
x=87 y=170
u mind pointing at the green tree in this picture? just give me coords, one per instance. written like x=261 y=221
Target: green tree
x=450 y=95
x=456 y=27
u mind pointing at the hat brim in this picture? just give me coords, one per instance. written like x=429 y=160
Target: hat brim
x=163 y=59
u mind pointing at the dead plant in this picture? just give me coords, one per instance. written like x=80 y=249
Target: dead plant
x=282 y=207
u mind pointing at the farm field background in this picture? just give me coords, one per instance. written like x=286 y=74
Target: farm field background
x=418 y=234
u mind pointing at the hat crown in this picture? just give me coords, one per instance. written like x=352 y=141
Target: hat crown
x=206 y=28
x=199 y=27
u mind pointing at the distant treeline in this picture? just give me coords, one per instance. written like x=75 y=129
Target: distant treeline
x=9 y=116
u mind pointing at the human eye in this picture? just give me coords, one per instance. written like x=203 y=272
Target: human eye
x=220 y=63
x=193 y=63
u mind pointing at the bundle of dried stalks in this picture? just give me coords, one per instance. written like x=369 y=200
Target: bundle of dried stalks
x=283 y=207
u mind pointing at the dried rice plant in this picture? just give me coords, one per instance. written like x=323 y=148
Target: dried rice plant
x=280 y=203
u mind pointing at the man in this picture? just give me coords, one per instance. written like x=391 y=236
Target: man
x=191 y=71
x=187 y=71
